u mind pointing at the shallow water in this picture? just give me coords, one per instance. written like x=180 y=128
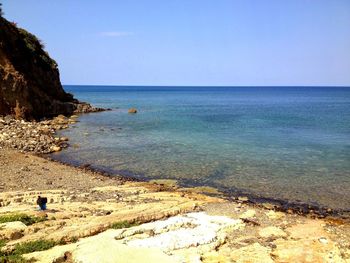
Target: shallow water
x=289 y=143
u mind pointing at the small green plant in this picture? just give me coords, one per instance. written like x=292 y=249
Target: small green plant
x=2 y=243
x=25 y=219
x=74 y=239
x=13 y=259
x=67 y=240
x=124 y=224
x=15 y=256
x=9 y=257
x=32 y=246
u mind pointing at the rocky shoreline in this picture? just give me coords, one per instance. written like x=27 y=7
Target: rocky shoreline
x=97 y=218
x=36 y=137
x=40 y=138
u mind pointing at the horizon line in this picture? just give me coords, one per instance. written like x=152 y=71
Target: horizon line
x=220 y=86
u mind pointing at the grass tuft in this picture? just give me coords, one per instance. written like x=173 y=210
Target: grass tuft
x=124 y=224
x=25 y=219
x=13 y=259
x=2 y=243
x=15 y=256
x=32 y=246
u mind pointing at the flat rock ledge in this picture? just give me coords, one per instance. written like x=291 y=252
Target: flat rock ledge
x=166 y=227
x=180 y=238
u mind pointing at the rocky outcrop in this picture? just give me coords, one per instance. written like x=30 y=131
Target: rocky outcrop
x=30 y=86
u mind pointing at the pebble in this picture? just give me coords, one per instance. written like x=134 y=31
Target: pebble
x=323 y=240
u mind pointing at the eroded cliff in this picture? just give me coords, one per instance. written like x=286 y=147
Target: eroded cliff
x=30 y=86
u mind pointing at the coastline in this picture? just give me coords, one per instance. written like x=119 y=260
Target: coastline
x=85 y=203
x=304 y=209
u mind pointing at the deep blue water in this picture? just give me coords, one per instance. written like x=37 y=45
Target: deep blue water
x=290 y=143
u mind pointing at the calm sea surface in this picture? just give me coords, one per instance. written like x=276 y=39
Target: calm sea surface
x=289 y=143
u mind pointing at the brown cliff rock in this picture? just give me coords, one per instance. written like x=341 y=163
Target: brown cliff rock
x=30 y=86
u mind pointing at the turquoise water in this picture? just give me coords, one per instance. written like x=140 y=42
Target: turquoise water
x=288 y=143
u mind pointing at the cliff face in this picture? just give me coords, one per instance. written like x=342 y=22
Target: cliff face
x=30 y=86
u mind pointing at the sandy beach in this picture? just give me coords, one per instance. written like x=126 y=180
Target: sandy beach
x=92 y=217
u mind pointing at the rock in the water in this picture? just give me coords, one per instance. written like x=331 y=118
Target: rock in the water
x=56 y=148
x=132 y=110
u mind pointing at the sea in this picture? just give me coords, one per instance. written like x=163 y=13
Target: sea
x=289 y=144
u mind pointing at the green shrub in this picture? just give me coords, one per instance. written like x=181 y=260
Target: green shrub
x=25 y=219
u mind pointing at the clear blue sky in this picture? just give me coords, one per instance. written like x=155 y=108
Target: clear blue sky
x=192 y=42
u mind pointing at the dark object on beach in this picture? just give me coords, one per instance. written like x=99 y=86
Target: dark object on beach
x=41 y=202
x=132 y=110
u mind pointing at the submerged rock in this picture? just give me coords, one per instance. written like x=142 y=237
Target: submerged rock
x=132 y=110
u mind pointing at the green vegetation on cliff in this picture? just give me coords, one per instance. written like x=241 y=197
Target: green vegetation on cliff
x=36 y=46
